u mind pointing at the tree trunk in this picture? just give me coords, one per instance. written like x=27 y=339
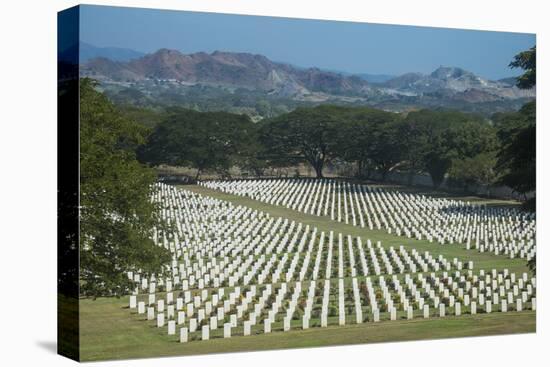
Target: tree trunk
x=319 y=169
x=410 y=177
x=437 y=180
x=360 y=168
x=368 y=173
x=384 y=174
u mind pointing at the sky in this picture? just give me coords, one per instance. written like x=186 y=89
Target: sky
x=342 y=46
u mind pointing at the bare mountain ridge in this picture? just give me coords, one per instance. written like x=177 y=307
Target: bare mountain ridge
x=239 y=70
x=257 y=72
x=458 y=81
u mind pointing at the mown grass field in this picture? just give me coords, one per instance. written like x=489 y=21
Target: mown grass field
x=108 y=330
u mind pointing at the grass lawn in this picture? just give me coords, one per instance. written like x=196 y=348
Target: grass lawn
x=108 y=330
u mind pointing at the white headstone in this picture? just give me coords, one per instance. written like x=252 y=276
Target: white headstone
x=184 y=335
x=227 y=330
x=160 y=320
x=150 y=313
x=305 y=322
x=181 y=317
x=192 y=325
x=133 y=301
x=205 y=332
x=171 y=327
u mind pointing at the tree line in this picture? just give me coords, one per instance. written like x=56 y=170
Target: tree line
x=467 y=149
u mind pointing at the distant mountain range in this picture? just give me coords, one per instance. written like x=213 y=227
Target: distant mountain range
x=233 y=72
x=228 y=69
x=87 y=52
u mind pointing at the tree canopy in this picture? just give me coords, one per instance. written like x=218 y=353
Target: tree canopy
x=517 y=132
x=437 y=138
x=526 y=60
x=116 y=216
x=305 y=134
x=202 y=140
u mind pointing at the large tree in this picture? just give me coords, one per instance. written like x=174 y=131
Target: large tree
x=305 y=134
x=370 y=138
x=517 y=159
x=201 y=140
x=478 y=170
x=414 y=146
x=116 y=216
x=446 y=135
x=517 y=131
x=526 y=60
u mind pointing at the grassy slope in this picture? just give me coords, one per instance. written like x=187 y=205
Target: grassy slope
x=108 y=331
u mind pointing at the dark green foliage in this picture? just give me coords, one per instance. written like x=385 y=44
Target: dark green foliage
x=305 y=134
x=532 y=265
x=526 y=60
x=370 y=138
x=517 y=132
x=202 y=140
x=437 y=138
x=477 y=170
x=116 y=216
x=144 y=116
x=516 y=159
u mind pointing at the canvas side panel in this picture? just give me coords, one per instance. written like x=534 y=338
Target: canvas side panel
x=68 y=184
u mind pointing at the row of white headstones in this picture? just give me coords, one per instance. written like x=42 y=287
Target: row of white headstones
x=211 y=293
x=499 y=230
x=257 y=249
x=262 y=308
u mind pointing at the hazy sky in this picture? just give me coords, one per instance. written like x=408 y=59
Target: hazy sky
x=344 y=46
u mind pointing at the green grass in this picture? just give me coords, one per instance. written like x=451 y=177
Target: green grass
x=108 y=330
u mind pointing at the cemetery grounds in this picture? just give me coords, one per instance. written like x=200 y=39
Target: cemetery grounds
x=112 y=328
